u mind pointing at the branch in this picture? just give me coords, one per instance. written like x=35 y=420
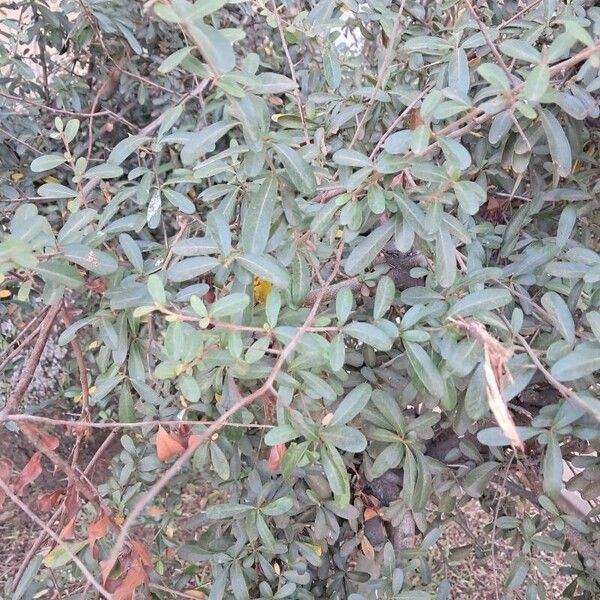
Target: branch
x=6 y=489
x=118 y=425
x=14 y=400
x=563 y=390
x=296 y=91
x=265 y=388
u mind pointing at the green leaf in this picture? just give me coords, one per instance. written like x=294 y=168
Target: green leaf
x=369 y=334
x=28 y=576
x=345 y=438
x=71 y=231
x=54 y=271
x=521 y=50
x=272 y=83
x=552 y=467
x=156 y=289
x=351 y=405
x=203 y=142
x=58 y=557
x=190 y=268
x=336 y=474
x=495 y=76
x=458 y=72
x=227 y=511
x=281 y=434
x=126 y=409
x=95 y=261
x=179 y=200
x=265 y=267
x=297 y=169
x=476 y=404
x=477 y=480
x=560 y=315
x=470 y=196
x=560 y=149
x=537 y=83
x=337 y=353
x=579 y=363
x=219 y=462
x=351 y=158
x=493 y=436
x=257 y=217
x=104 y=171
x=277 y=507
x=173 y=60
x=425 y=370
x=488 y=299
x=264 y=532
x=55 y=190
x=216 y=49
x=132 y=252
x=398 y=143
x=384 y=296
x=228 y=306
x=218 y=227
x=126 y=147
x=389 y=458
x=343 y=304
x=47 y=162
x=368 y=248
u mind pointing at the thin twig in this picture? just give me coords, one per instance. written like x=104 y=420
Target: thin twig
x=489 y=42
x=17 y=501
x=563 y=390
x=387 y=59
x=296 y=91
x=14 y=400
x=23 y=418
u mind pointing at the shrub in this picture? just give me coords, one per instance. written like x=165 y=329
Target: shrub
x=336 y=259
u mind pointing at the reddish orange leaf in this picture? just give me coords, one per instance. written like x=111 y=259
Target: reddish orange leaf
x=49 y=442
x=370 y=513
x=49 y=500
x=166 y=446
x=32 y=470
x=194 y=440
x=156 y=511
x=96 y=531
x=142 y=552
x=275 y=455
x=68 y=531
x=135 y=577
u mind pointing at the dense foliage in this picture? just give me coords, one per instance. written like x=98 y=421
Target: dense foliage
x=346 y=253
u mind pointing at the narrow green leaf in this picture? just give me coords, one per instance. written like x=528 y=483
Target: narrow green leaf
x=351 y=405
x=265 y=267
x=190 y=268
x=580 y=363
x=337 y=475
x=258 y=216
x=297 y=169
x=488 y=299
x=560 y=315
x=425 y=370
x=369 y=334
x=368 y=248
x=552 y=467
x=384 y=296
x=203 y=142
x=537 y=83
x=560 y=149
x=216 y=49
x=228 y=306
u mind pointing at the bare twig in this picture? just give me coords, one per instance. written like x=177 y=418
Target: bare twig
x=296 y=91
x=562 y=389
x=489 y=42
x=14 y=400
x=24 y=418
x=387 y=59
x=17 y=501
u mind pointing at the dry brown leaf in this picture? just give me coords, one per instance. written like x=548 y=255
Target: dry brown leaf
x=166 y=446
x=31 y=471
x=49 y=500
x=367 y=548
x=49 y=442
x=135 y=577
x=97 y=530
x=68 y=531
